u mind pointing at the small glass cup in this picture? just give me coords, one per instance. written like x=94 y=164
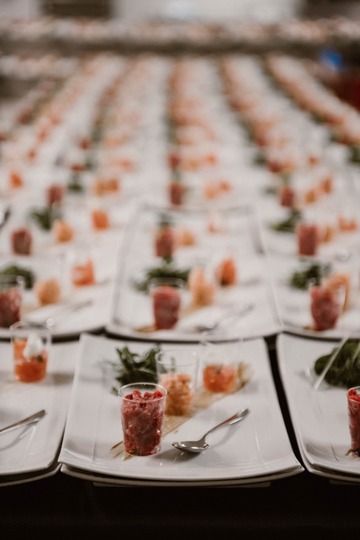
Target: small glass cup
x=177 y=192
x=31 y=347
x=221 y=366
x=177 y=370
x=166 y=295
x=142 y=407
x=353 y=401
x=11 y=299
x=326 y=306
x=22 y=241
x=308 y=238
x=83 y=272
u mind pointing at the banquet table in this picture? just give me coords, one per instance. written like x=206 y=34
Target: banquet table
x=289 y=506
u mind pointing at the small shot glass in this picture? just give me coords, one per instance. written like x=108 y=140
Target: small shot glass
x=142 y=408
x=177 y=370
x=308 y=238
x=31 y=347
x=326 y=306
x=221 y=366
x=353 y=401
x=11 y=299
x=82 y=267
x=167 y=298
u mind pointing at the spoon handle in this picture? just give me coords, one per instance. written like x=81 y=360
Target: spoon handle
x=24 y=421
x=229 y=421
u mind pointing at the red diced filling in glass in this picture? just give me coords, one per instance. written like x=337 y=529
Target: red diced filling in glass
x=166 y=306
x=142 y=419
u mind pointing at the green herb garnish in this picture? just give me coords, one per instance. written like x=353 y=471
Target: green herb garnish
x=355 y=153
x=259 y=159
x=165 y=220
x=133 y=367
x=345 y=369
x=301 y=279
x=270 y=190
x=288 y=224
x=75 y=185
x=45 y=217
x=166 y=270
x=14 y=270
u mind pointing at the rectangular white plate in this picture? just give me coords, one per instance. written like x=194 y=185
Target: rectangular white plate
x=320 y=418
x=116 y=481
x=132 y=310
x=257 y=447
x=34 y=449
x=294 y=305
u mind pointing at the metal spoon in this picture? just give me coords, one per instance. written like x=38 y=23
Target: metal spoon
x=236 y=314
x=25 y=421
x=61 y=312
x=195 y=447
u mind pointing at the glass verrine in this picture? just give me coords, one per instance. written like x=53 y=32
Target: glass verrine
x=326 y=306
x=308 y=238
x=31 y=347
x=222 y=366
x=11 y=299
x=177 y=370
x=353 y=401
x=142 y=407
x=166 y=296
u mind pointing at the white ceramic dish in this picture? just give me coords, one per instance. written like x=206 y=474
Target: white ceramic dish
x=250 y=451
x=132 y=315
x=294 y=304
x=56 y=265
x=33 y=450
x=113 y=481
x=16 y=479
x=320 y=417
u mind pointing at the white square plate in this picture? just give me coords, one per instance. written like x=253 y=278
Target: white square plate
x=258 y=447
x=33 y=449
x=320 y=417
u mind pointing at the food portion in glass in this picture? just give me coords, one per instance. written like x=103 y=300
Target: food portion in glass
x=177 y=370
x=166 y=296
x=223 y=369
x=30 y=345
x=142 y=407
x=11 y=298
x=353 y=400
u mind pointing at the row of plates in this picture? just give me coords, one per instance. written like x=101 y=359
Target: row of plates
x=81 y=431
x=78 y=399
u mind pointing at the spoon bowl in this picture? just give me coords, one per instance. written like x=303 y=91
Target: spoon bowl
x=196 y=447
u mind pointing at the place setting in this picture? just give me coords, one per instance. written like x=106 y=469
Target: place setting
x=36 y=380
x=191 y=391
x=321 y=382
x=177 y=278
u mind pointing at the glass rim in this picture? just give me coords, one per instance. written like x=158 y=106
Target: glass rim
x=355 y=388
x=142 y=386
x=193 y=356
x=175 y=283
x=27 y=326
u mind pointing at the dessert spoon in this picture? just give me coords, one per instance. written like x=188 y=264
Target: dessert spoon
x=236 y=314
x=25 y=421
x=60 y=312
x=195 y=447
